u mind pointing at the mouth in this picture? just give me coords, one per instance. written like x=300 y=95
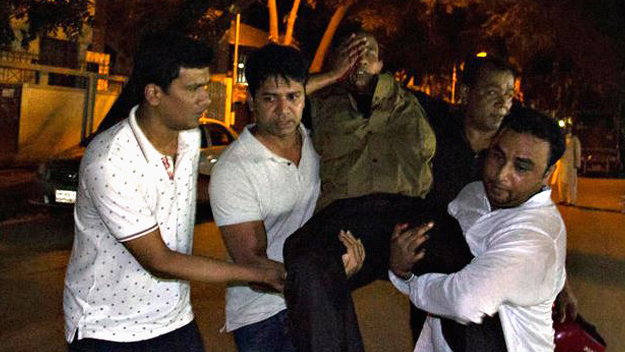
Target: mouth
x=496 y=190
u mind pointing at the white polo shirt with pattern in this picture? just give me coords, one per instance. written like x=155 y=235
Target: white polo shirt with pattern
x=125 y=191
x=251 y=183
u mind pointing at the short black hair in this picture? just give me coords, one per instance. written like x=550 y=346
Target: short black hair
x=526 y=120
x=474 y=68
x=273 y=60
x=160 y=55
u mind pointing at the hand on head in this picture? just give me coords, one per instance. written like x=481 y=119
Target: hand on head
x=349 y=55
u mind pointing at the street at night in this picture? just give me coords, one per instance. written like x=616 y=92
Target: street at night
x=35 y=245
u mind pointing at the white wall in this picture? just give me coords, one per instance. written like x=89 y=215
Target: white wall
x=51 y=120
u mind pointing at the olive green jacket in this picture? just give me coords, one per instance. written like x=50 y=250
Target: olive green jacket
x=388 y=152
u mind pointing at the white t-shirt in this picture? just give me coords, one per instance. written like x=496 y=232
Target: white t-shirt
x=125 y=192
x=250 y=183
x=518 y=271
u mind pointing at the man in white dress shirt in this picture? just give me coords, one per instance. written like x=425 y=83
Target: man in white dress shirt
x=514 y=231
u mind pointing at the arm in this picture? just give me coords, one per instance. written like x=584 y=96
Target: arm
x=247 y=244
x=406 y=248
x=345 y=61
x=152 y=253
x=511 y=271
x=565 y=304
x=577 y=153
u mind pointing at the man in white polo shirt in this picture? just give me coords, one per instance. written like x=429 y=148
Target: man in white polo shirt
x=263 y=188
x=126 y=285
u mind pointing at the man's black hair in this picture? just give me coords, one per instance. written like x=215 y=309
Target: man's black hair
x=160 y=56
x=273 y=61
x=474 y=68
x=526 y=120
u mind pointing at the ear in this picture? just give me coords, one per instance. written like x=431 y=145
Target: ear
x=378 y=66
x=463 y=93
x=152 y=94
x=548 y=174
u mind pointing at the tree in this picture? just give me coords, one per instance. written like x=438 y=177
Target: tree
x=43 y=17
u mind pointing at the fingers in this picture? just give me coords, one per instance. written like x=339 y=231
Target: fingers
x=398 y=230
x=355 y=256
x=412 y=238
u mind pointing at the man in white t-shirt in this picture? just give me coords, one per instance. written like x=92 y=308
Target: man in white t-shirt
x=518 y=239
x=126 y=287
x=263 y=188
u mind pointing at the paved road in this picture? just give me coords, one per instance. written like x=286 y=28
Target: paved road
x=35 y=245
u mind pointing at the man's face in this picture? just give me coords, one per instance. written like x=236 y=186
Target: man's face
x=186 y=99
x=516 y=168
x=490 y=99
x=367 y=67
x=278 y=105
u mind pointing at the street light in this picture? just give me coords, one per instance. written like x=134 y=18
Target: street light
x=482 y=54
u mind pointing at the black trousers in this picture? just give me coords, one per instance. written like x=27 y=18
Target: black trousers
x=186 y=338
x=317 y=292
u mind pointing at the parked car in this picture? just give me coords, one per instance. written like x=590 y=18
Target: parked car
x=57 y=178
x=600 y=162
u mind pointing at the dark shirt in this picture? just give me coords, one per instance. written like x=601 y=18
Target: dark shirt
x=455 y=164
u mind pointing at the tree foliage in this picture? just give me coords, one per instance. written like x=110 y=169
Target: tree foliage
x=43 y=17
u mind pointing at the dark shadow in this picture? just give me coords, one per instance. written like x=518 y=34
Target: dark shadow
x=598 y=269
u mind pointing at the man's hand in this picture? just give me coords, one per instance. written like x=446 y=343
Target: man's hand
x=355 y=256
x=406 y=248
x=348 y=56
x=273 y=276
x=565 y=304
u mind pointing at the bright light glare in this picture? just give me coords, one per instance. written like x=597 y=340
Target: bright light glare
x=482 y=54
x=241 y=65
x=561 y=123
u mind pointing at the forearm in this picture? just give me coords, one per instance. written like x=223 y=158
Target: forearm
x=321 y=80
x=206 y=269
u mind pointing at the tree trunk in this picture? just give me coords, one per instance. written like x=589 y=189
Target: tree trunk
x=273 y=21
x=324 y=45
x=288 y=37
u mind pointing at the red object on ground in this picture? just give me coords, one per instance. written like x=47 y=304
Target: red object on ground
x=577 y=336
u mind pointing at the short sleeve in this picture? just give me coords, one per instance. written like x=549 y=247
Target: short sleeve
x=120 y=200
x=233 y=197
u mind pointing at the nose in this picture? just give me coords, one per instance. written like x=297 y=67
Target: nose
x=281 y=104
x=204 y=98
x=504 y=172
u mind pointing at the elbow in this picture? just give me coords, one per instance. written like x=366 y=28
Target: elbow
x=472 y=309
x=161 y=266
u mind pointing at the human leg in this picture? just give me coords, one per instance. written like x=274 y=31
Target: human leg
x=317 y=292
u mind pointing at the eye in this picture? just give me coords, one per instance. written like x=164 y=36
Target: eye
x=268 y=98
x=521 y=168
x=293 y=96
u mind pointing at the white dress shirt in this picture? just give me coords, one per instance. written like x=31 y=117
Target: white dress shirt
x=518 y=270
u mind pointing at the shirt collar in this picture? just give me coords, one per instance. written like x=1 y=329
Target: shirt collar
x=474 y=195
x=258 y=151
x=149 y=151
